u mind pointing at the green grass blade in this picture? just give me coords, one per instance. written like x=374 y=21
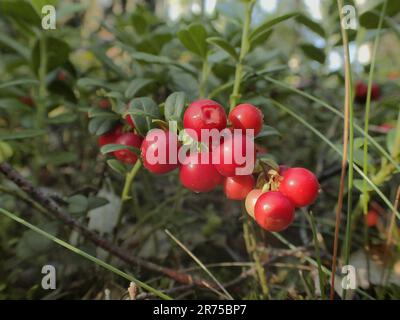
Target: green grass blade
x=335 y=148
x=202 y=266
x=85 y=255
x=321 y=275
x=368 y=107
x=337 y=112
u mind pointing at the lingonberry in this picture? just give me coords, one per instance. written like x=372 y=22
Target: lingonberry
x=273 y=211
x=251 y=200
x=300 y=186
x=129 y=121
x=204 y=114
x=110 y=136
x=235 y=154
x=371 y=219
x=238 y=187
x=246 y=116
x=27 y=100
x=198 y=176
x=104 y=103
x=361 y=91
x=128 y=139
x=61 y=76
x=160 y=151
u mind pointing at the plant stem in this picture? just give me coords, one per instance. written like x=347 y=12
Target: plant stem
x=244 y=49
x=321 y=275
x=251 y=247
x=40 y=103
x=203 y=78
x=84 y=254
x=368 y=108
x=347 y=107
x=130 y=176
x=250 y=240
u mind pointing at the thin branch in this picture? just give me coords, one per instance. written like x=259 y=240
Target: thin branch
x=57 y=212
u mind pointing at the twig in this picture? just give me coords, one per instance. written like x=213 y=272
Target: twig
x=60 y=214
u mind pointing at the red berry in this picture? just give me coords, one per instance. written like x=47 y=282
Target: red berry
x=375 y=92
x=110 y=136
x=238 y=187
x=104 y=103
x=251 y=200
x=129 y=120
x=246 y=116
x=231 y=156
x=300 y=186
x=61 y=76
x=156 y=154
x=204 y=114
x=372 y=218
x=386 y=127
x=273 y=211
x=26 y=100
x=128 y=139
x=362 y=91
x=197 y=175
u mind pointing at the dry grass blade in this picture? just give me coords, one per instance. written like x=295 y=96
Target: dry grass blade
x=202 y=266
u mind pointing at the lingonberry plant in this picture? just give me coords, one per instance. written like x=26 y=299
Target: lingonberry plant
x=234 y=143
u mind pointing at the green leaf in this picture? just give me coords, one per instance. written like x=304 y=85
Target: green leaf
x=150 y=58
x=57 y=52
x=390 y=140
x=117 y=166
x=143 y=111
x=89 y=83
x=18 y=82
x=139 y=22
x=264 y=27
x=313 y=52
x=267 y=131
x=269 y=161
x=311 y=24
x=6 y=151
x=359 y=184
x=61 y=158
x=39 y=4
x=21 y=11
x=108 y=148
x=370 y=19
x=99 y=112
x=135 y=86
x=194 y=39
x=261 y=38
x=77 y=204
x=101 y=125
x=15 y=45
x=23 y=134
x=14 y=105
x=96 y=202
x=107 y=62
x=67 y=117
x=174 y=106
x=224 y=45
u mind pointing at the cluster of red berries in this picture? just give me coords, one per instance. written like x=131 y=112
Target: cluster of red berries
x=272 y=205
x=288 y=189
